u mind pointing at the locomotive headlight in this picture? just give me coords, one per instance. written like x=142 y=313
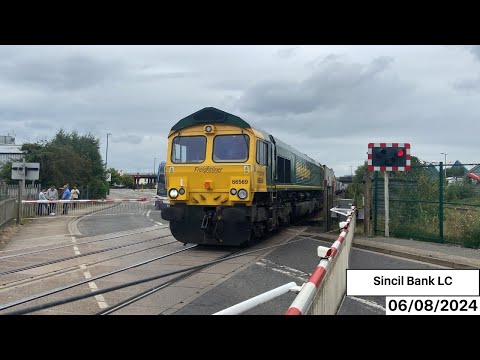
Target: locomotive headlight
x=208 y=128
x=181 y=191
x=233 y=191
x=242 y=194
x=173 y=193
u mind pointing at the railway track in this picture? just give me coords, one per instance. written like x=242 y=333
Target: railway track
x=115 y=283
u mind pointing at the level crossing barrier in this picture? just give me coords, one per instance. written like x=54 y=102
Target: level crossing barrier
x=323 y=293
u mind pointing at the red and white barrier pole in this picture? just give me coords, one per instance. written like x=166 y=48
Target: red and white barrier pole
x=304 y=299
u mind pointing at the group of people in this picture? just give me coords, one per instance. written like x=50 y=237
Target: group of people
x=52 y=195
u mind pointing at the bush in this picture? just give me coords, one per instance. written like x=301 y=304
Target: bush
x=459 y=191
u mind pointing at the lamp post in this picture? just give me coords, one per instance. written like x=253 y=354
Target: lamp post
x=154 y=164
x=106 y=163
x=445 y=163
x=106 y=153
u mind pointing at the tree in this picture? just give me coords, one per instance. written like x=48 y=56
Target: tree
x=116 y=177
x=356 y=188
x=68 y=158
x=127 y=180
x=6 y=172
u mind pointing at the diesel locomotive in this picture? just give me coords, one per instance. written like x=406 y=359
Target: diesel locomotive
x=229 y=182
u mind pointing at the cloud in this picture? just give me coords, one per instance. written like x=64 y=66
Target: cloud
x=127 y=139
x=475 y=49
x=71 y=73
x=287 y=53
x=330 y=85
x=468 y=85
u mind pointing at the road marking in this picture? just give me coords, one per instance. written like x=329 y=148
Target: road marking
x=368 y=303
x=102 y=303
x=156 y=223
x=283 y=269
x=77 y=252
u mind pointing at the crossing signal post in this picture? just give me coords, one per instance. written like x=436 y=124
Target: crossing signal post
x=388 y=157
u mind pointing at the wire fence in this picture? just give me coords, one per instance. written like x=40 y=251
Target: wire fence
x=429 y=203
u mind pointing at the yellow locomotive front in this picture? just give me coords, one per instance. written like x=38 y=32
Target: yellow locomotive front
x=211 y=179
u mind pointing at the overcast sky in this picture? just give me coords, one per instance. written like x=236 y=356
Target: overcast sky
x=328 y=102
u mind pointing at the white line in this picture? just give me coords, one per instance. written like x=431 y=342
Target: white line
x=155 y=222
x=286 y=270
x=100 y=298
x=368 y=303
x=93 y=287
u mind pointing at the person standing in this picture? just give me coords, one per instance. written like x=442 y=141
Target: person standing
x=52 y=197
x=74 y=194
x=42 y=204
x=65 y=196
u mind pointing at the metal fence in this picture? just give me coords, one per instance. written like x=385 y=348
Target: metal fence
x=7 y=210
x=30 y=192
x=425 y=206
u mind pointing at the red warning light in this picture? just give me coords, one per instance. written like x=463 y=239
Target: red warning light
x=400 y=153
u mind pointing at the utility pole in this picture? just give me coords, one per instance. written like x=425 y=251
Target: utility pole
x=387 y=205
x=106 y=163
x=106 y=153
x=21 y=184
x=445 y=163
x=366 y=206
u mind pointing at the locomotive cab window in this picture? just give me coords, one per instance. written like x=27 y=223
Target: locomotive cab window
x=189 y=149
x=262 y=153
x=230 y=148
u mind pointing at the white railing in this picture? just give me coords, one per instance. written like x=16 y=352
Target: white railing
x=41 y=208
x=260 y=299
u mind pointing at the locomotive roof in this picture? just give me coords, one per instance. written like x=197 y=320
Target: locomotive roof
x=211 y=115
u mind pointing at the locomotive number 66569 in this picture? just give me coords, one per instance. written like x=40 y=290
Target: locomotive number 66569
x=236 y=181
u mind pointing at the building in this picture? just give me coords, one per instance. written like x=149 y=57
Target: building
x=8 y=150
x=7 y=140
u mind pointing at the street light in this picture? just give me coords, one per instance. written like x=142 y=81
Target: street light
x=106 y=153
x=154 y=164
x=445 y=163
